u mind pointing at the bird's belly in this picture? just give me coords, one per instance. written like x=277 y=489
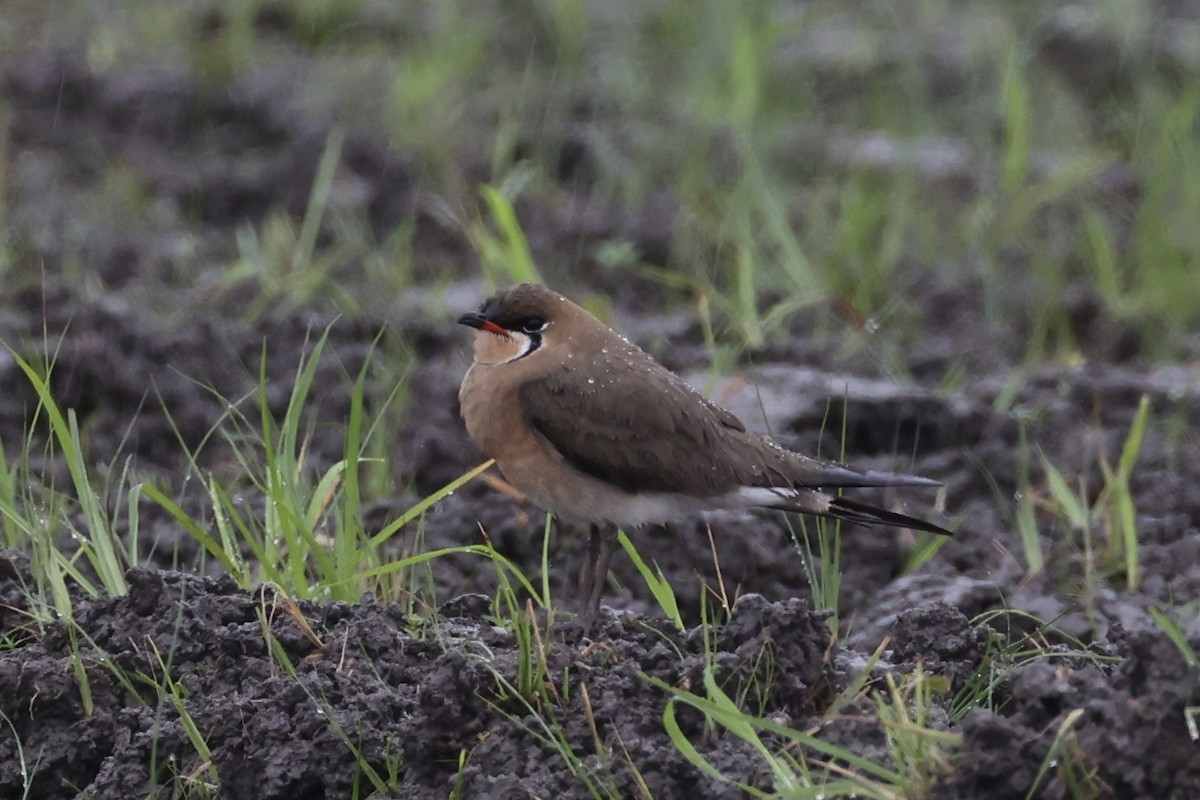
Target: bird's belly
x=581 y=499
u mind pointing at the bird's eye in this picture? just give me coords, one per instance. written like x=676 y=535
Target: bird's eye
x=533 y=325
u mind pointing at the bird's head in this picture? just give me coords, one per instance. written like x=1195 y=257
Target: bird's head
x=518 y=322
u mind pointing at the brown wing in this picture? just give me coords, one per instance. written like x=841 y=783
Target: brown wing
x=662 y=439
x=668 y=438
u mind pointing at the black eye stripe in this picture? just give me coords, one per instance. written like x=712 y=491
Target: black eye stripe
x=515 y=321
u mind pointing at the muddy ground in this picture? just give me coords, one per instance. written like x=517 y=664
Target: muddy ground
x=135 y=329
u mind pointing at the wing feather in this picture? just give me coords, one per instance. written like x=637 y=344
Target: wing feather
x=620 y=432
x=629 y=421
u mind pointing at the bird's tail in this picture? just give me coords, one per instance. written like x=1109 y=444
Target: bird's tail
x=854 y=511
x=824 y=504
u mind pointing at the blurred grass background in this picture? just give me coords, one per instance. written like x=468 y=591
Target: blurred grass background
x=1029 y=166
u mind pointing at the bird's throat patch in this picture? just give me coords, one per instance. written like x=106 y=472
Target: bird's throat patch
x=492 y=348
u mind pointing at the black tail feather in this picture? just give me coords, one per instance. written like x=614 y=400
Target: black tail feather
x=854 y=511
x=834 y=476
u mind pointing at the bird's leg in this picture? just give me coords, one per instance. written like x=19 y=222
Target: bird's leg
x=587 y=571
x=600 y=548
x=594 y=572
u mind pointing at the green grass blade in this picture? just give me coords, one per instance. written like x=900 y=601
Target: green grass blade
x=425 y=504
x=506 y=251
x=1133 y=442
x=1068 y=502
x=1027 y=530
x=99 y=540
x=318 y=201
x=485 y=551
x=718 y=712
x=199 y=534
x=658 y=584
x=1176 y=635
x=1124 y=498
x=693 y=756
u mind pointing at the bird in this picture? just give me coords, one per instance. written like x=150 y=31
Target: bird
x=593 y=429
